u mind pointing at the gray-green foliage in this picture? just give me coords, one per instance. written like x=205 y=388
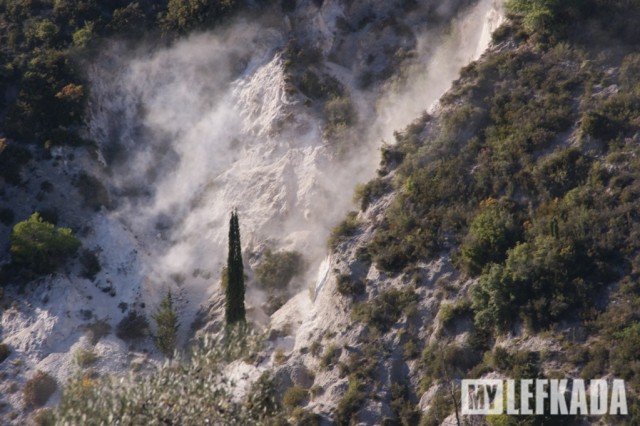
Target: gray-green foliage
x=190 y=390
x=166 y=320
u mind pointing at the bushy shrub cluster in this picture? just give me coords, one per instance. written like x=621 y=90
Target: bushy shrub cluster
x=385 y=310
x=322 y=87
x=133 y=326
x=40 y=246
x=344 y=230
x=38 y=389
x=294 y=397
x=350 y=403
x=277 y=269
x=85 y=357
x=493 y=230
x=330 y=356
x=348 y=286
x=366 y=193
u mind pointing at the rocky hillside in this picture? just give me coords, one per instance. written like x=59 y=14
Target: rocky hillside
x=499 y=238
x=496 y=240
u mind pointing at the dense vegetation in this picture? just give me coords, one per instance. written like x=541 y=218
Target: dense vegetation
x=530 y=171
x=528 y=179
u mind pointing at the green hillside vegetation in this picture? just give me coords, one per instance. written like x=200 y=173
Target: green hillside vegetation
x=530 y=178
x=42 y=89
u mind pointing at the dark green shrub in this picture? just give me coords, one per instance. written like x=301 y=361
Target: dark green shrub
x=97 y=331
x=39 y=246
x=38 y=389
x=262 y=398
x=562 y=171
x=599 y=126
x=624 y=361
x=598 y=362
x=406 y=412
x=547 y=18
x=277 y=269
x=349 y=287
x=385 y=309
x=350 y=403
x=344 y=230
x=324 y=87
x=441 y=407
x=44 y=417
x=4 y=351
x=302 y=417
x=501 y=359
x=90 y=264
x=439 y=362
x=493 y=230
x=540 y=283
x=361 y=365
x=330 y=356
x=339 y=110
x=133 y=326
x=49 y=101
x=365 y=194
x=450 y=312
x=130 y=19
x=93 y=192
x=630 y=72
x=294 y=397
x=6 y=216
x=85 y=357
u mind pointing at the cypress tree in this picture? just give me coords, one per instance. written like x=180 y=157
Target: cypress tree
x=235 y=275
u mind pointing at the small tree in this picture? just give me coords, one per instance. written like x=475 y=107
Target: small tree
x=38 y=245
x=235 y=311
x=166 y=320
